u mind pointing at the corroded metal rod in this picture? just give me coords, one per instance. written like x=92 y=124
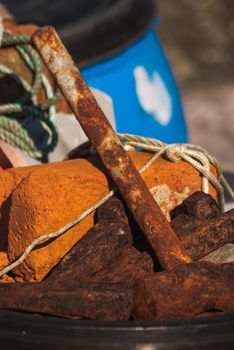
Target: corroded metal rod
x=127 y=179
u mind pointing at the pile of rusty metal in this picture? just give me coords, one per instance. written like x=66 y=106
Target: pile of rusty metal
x=135 y=265
x=110 y=273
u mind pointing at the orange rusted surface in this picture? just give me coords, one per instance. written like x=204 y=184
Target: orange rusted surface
x=45 y=200
x=3 y=262
x=147 y=213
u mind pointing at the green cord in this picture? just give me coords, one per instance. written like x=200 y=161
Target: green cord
x=13 y=115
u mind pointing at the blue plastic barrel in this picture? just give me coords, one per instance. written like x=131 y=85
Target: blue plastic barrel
x=145 y=96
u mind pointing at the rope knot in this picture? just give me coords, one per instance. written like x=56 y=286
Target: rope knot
x=175 y=153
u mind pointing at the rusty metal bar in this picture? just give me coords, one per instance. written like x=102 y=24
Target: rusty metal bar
x=137 y=196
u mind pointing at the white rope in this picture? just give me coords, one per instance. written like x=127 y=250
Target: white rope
x=194 y=155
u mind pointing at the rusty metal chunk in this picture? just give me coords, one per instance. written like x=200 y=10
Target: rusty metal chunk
x=199 y=205
x=192 y=213
x=186 y=291
x=127 y=267
x=99 y=247
x=124 y=174
x=112 y=211
x=184 y=225
x=97 y=301
x=210 y=235
x=200 y=225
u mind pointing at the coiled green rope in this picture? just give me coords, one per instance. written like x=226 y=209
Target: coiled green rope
x=14 y=115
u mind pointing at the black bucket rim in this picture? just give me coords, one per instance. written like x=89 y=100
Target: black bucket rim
x=34 y=331
x=132 y=28
x=103 y=32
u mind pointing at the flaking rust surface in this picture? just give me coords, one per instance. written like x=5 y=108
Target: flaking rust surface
x=92 y=300
x=127 y=267
x=210 y=235
x=105 y=277
x=201 y=226
x=199 y=205
x=186 y=291
x=148 y=215
x=102 y=244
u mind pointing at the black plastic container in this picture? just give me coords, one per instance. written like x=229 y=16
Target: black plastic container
x=35 y=332
x=91 y=29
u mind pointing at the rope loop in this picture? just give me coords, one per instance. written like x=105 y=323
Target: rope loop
x=175 y=153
